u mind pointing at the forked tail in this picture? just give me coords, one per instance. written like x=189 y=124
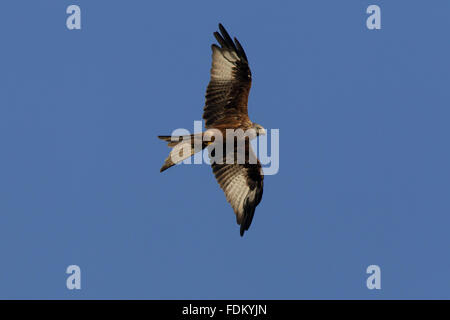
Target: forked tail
x=183 y=147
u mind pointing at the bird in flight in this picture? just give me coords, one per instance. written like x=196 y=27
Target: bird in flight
x=226 y=108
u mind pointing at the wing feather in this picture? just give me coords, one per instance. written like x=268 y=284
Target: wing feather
x=243 y=187
x=229 y=86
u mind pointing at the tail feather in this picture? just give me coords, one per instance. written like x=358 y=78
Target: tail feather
x=183 y=147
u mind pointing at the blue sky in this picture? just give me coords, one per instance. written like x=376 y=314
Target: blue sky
x=364 y=160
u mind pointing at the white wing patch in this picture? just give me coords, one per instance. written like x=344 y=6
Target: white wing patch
x=223 y=62
x=236 y=188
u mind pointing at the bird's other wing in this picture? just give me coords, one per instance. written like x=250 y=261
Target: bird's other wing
x=243 y=186
x=229 y=86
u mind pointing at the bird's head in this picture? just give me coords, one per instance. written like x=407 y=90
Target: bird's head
x=260 y=131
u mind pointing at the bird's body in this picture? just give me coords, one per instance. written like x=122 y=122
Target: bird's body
x=226 y=109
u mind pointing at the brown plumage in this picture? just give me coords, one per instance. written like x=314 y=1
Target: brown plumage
x=226 y=108
x=228 y=89
x=242 y=184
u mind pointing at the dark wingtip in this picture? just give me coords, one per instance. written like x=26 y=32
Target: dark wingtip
x=219 y=39
x=225 y=41
x=249 y=212
x=240 y=50
x=226 y=37
x=222 y=29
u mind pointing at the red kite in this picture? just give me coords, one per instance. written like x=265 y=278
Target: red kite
x=226 y=108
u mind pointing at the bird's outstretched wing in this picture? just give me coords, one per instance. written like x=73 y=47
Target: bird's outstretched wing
x=229 y=86
x=242 y=184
